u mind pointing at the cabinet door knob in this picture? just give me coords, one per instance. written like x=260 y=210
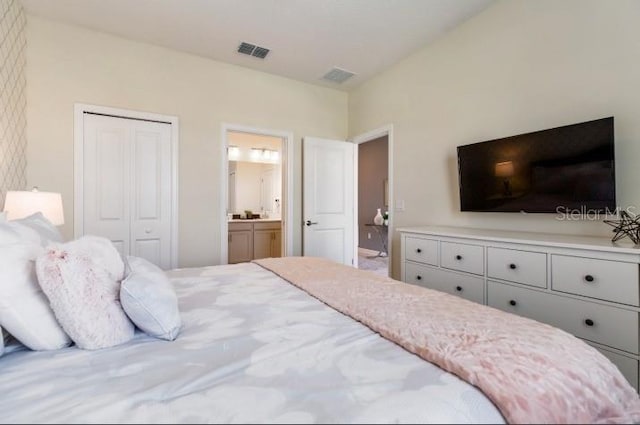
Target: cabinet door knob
x=459 y=288
x=513 y=266
x=458 y=257
x=513 y=302
x=418 y=250
x=589 y=322
x=589 y=278
x=419 y=277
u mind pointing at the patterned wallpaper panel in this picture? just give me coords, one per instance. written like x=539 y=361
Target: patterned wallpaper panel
x=13 y=139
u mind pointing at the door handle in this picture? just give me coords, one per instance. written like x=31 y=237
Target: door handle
x=310 y=223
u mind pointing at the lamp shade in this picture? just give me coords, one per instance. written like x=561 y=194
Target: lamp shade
x=20 y=204
x=504 y=169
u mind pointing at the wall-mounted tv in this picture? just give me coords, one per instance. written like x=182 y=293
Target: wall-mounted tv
x=548 y=171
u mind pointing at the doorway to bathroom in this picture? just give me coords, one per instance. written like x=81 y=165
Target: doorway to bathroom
x=373 y=203
x=256 y=182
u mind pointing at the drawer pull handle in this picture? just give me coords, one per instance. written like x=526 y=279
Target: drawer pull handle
x=589 y=322
x=419 y=277
x=589 y=278
x=513 y=266
x=418 y=250
x=458 y=257
x=459 y=288
x=513 y=302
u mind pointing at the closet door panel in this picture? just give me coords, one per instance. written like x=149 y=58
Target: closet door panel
x=106 y=179
x=151 y=197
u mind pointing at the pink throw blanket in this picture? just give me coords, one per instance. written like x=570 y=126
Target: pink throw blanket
x=534 y=373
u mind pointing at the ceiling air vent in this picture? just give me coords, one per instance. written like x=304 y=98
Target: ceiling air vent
x=337 y=75
x=260 y=52
x=253 y=50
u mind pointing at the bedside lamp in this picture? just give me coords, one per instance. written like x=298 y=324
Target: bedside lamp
x=20 y=204
x=505 y=170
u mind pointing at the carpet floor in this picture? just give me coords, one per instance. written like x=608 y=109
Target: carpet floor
x=379 y=265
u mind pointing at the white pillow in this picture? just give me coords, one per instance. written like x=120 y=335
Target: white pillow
x=82 y=281
x=48 y=232
x=24 y=309
x=149 y=300
x=12 y=232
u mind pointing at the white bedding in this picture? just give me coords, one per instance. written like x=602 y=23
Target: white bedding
x=253 y=348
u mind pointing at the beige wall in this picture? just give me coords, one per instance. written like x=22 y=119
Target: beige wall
x=13 y=124
x=517 y=67
x=69 y=64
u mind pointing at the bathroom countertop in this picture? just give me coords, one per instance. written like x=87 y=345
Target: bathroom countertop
x=261 y=220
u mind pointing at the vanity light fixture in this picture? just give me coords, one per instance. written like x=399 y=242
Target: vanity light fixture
x=233 y=152
x=256 y=153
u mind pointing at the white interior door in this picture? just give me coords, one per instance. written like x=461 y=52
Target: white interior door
x=127 y=187
x=328 y=199
x=266 y=189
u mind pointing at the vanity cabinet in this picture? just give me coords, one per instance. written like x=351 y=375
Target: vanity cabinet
x=586 y=286
x=240 y=242
x=253 y=240
x=266 y=240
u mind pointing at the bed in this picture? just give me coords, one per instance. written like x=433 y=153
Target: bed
x=253 y=349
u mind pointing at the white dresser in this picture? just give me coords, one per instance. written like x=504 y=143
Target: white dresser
x=584 y=285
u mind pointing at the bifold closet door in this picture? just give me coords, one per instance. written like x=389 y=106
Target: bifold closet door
x=127 y=185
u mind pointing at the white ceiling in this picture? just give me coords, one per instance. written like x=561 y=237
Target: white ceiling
x=306 y=37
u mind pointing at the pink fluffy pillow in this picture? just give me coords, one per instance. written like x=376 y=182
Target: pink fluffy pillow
x=82 y=281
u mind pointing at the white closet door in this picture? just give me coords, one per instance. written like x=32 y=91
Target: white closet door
x=107 y=179
x=151 y=190
x=127 y=185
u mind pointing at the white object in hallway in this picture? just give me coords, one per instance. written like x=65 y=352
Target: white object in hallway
x=328 y=192
x=127 y=180
x=378 y=218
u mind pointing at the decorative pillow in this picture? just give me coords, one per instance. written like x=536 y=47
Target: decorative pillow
x=82 y=281
x=48 y=232
x=13 y=232
x=24 y=309
x=149 y=300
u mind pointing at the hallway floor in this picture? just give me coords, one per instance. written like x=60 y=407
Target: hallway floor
x=379 y=265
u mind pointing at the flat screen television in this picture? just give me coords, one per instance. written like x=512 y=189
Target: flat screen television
x=561 y=169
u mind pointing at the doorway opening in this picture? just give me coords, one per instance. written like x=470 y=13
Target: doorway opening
x=256 y=181
x=374 y=201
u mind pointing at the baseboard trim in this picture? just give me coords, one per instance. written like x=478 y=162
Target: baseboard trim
x=365 y=252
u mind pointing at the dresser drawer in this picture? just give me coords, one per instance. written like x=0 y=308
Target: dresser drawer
x=525 y=267
x=628 y=366
x=599 y=323
x=465 y=286
x=462 y=257
x=421 y=250
x=606 y=280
